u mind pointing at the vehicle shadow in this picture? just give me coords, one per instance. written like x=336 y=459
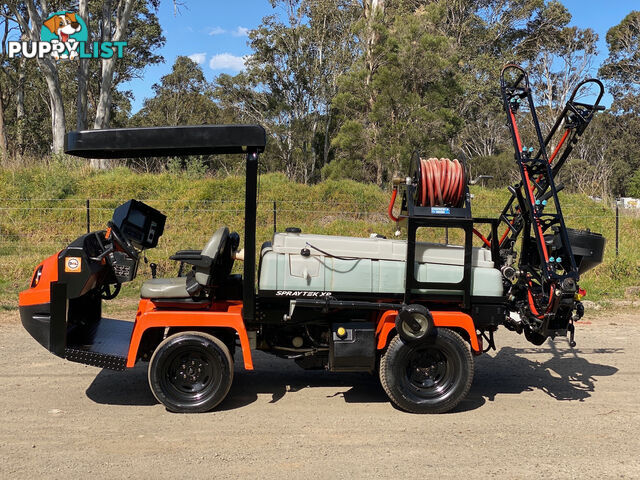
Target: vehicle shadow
x=566 y=376
x=272 y=376
x=122 y=388
x=285 y=377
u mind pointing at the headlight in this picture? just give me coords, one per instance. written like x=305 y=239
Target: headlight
x=36 y=276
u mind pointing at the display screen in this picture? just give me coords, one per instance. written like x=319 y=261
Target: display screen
x=136 y=218
x=140 y=223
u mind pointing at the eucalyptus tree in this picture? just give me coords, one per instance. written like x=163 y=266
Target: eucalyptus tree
x=400 y=96
x=30 y=15
x=96 y=80
x=621 y=71
x=290 y=80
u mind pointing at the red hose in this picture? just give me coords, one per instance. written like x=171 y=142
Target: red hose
x=560 y=143
x=555 y=152
x=482 y=237
x=532 y=305
x=441 y=183
x=394 y=194
x=527 y=182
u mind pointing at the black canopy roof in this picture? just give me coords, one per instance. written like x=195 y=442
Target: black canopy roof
x=165 y=141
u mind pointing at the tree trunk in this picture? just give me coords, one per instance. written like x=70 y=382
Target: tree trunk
x=372 y=8
x=104 y=97
x=3 y=136
x=291 y=171
x=20 y=110
x=103 y=108
x=314 y=151
x=48 y=69
x=83 y=73
x=325 y=153
x=50 y=72
x=4 y=155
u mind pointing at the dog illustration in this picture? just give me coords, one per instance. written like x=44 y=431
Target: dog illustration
x=64 y=25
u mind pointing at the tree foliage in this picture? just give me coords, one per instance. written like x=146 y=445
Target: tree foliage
x=291 y=79
x=621 y=70
x=183 y=97
x=350 y=88
x=78 y=90
x=405 y=101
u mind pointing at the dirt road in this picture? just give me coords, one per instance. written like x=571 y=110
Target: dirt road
x=533 y=412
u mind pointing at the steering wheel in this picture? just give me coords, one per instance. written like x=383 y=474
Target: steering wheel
x=122 y=242
x=107 y=294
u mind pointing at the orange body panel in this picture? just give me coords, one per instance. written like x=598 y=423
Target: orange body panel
x=223 y=314
x=41 y=293
x=440 y=319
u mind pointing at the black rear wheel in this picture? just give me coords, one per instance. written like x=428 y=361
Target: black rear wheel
x=429 y=376
x=191 y=372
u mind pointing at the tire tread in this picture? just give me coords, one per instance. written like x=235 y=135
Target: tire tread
x=207 y=405
x=399 y=401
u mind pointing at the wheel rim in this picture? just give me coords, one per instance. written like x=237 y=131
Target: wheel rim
x=429 y=373
x=192 y=375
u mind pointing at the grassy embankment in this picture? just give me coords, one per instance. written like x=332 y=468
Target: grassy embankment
x=42 y=209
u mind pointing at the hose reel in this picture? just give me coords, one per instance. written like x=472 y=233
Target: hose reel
x=439 y=182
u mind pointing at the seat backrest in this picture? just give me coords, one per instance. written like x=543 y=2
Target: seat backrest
x=214 y=249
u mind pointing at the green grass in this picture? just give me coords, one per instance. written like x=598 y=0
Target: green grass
x=42 y=209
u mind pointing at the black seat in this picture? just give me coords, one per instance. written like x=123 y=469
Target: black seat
x=211 y=266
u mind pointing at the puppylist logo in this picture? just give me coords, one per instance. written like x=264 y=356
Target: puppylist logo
x=64 y=35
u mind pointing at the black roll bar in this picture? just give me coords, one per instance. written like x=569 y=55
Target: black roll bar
x=188 y=140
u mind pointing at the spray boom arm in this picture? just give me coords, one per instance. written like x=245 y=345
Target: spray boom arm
x=545 y=285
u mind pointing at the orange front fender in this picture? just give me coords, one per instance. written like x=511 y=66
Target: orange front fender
x=387 y=323
x=40 y=293
x=226 y=315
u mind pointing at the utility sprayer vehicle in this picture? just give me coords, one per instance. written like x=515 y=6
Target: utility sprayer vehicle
x=414 y=311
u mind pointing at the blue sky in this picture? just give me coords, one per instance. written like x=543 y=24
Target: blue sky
x=214 y=34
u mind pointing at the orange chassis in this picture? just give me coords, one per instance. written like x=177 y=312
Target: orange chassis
x=229 y=315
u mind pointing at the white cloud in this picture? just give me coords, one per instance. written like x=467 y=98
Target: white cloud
x=199 y=58
x=226 y=61
x=240 y=32
x=216 y=31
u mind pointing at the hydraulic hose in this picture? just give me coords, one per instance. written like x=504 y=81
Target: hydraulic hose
x=392 y=202
x=551 y=158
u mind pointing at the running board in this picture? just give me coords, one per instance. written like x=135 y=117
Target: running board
x=95 y=359
x=105 y=345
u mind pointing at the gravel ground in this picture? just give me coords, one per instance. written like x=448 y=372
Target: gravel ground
x=532 y=412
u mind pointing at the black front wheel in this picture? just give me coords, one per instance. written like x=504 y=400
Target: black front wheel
x=191 y=372
x=429 y=376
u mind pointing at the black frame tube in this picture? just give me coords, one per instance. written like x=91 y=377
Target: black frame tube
x=251 y=192
x=88 y=217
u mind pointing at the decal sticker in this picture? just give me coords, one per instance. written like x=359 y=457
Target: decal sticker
x=122 y=270
x=73 y=264
x=289 y=293
x=440 y=210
